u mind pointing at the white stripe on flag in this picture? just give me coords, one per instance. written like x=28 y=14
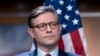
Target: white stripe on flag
x=68 y=45
x=83 y=39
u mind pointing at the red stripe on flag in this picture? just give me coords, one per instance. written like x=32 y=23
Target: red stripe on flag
x=61 y=44
x=77 y=43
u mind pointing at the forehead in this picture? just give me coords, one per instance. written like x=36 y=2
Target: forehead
x=45 y=18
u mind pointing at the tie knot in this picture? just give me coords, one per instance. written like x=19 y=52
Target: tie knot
x=47 y=55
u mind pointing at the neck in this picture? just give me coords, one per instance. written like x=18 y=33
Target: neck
x=47 y=49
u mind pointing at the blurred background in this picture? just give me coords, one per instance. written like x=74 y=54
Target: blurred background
x=13 y=25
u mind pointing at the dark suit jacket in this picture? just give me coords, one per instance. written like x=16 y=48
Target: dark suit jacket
x=34 y=53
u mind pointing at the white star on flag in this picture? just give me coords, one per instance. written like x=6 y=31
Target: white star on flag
x=67 y=17
x=69 y=7
x=75 y=21
x=58 y=11
x=64 y=26
x=61 y=2
x=50 y=5
x=51 y=0
x=77 y=12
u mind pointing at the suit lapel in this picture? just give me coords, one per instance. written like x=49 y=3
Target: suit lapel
x=62 y=53
x=34 y=52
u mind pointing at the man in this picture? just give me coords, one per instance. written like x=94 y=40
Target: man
x=45 y=28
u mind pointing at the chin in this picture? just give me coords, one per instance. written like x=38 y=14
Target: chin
x=51 y=43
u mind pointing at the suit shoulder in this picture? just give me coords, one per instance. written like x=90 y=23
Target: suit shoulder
x=25 y=54
x=72 y=54
x=63 y=53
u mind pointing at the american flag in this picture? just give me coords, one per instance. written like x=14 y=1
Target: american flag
x=72 y=36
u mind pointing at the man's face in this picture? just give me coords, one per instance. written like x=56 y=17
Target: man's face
x=50 y=35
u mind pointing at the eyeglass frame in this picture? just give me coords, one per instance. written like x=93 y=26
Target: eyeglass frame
x=39 y=26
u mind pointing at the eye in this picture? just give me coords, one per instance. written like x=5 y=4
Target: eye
x=41 y=25
x=53 y=24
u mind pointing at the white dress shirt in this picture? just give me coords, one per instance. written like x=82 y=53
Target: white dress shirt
x=52 y=53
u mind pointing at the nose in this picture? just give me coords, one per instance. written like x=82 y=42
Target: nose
x=49 y=28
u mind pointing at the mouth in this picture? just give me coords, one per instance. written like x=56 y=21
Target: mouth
x=49 y=37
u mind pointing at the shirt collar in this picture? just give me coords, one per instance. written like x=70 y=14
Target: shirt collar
x=42 y=53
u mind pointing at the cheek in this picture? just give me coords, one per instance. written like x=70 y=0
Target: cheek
x=38 y=34
x=58 y=31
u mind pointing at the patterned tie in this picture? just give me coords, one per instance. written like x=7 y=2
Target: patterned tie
x=47 y=55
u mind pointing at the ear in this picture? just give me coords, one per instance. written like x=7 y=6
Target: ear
x=31 y=33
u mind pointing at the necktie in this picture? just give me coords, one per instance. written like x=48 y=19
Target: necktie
x=47 y=55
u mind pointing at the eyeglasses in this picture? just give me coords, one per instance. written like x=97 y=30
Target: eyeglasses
x=43 y=26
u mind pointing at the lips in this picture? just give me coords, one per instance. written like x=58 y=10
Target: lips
x=49 y=36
